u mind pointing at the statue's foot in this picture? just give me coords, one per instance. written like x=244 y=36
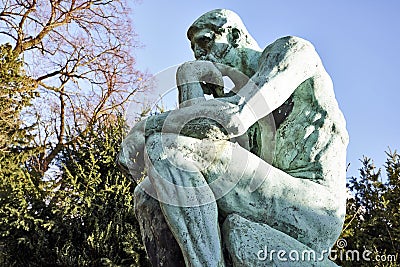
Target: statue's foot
x=255 y=244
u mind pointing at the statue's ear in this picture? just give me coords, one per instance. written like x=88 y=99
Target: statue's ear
x=234 y=37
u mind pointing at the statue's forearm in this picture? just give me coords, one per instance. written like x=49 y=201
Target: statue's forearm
x=199 y=128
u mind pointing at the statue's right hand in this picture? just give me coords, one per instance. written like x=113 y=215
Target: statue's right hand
x=203 y=72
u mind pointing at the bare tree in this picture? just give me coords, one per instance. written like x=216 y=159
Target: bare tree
x=79 y=52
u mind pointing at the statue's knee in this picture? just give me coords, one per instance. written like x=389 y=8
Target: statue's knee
x=159 y=141
x=162 y=146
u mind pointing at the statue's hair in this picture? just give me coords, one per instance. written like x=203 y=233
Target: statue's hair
x=220 y=19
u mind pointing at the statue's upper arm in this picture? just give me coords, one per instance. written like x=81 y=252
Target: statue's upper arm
x=283 y=66
x=287 y=53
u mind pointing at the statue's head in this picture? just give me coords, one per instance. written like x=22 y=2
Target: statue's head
x=220 y=36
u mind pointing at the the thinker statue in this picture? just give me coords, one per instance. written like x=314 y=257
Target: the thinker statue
x=230 y=185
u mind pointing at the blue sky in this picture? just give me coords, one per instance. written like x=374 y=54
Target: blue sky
x=357 y=41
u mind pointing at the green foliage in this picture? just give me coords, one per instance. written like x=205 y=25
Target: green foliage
x=80 y=215
x=372 y=220
x=16 y=92
x=97 y=201
x=20 y=196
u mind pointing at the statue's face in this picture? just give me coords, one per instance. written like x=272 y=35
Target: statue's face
x=207 y=45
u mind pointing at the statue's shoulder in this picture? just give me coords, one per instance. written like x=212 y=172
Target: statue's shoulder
x=287 y=46
x=287 y=43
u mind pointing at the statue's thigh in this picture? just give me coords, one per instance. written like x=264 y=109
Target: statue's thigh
x=246 y=185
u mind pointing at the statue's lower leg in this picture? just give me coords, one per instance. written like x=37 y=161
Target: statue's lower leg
x=195 y=227
x=161 y=246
